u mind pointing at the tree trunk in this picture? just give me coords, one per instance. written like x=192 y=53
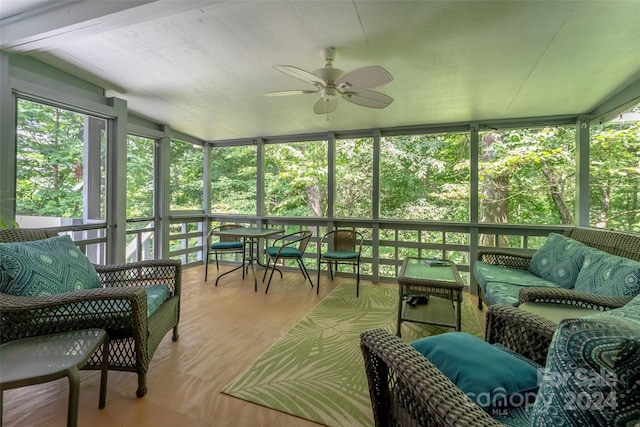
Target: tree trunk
x=494 y=203
x=604 y=208
x=556 y=188
x=313 y=199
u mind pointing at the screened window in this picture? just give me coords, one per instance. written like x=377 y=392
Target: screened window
x=615 y=173
x=140 y=176
x=527 y=176
x=233 y=180
x=354 y=178
x=140 y=198
x=186 y=176
x=296 y=179
x=425 y=177
x=61 y=166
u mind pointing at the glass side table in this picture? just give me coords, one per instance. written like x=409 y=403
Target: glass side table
x=438 y=280
x=46 y=358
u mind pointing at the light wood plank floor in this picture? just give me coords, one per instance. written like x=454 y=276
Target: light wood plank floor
x=222 y=331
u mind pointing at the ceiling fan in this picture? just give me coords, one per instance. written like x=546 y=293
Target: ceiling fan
x=331 y=82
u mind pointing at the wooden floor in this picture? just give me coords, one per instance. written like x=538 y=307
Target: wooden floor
x=222 y=331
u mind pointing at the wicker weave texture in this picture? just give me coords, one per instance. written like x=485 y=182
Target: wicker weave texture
x=406 y=389
x=119 y=307
x=618 y=243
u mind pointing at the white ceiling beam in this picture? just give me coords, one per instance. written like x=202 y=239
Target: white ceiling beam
x=49 y=26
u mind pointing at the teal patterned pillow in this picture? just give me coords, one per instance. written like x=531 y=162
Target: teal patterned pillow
x=45 y=267
x=608 y=275
x=559 y=260
x=592 y=374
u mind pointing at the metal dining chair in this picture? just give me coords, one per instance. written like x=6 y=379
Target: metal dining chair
x=224 y=245
x=343 y=247
x=290 y=246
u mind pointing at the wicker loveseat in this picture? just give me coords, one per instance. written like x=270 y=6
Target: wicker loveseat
x=408 y=389
x=506 y=277
x=118 y=304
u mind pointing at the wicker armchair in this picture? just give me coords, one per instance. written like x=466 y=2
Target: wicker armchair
x=618 y=243
x=406 y=389
x=119 y=307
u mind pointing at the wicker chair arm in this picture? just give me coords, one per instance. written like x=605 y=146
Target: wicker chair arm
x=506 y=258
x=571 y=297
x=525 y=333
x=407 y=389
x=121 y=311
x=142 y=273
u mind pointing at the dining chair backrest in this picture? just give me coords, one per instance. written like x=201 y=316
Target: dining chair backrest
x=304 y=241
x=347 y=240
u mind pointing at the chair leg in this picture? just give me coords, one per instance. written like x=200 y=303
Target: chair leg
x=142 y=384
x=244 y=258
x=305 y=273
x=331 y=269
x=206 y=267
x=271 y=276
x=318 y=282
x=358 y=281
x=217 y=266
x=266 y=268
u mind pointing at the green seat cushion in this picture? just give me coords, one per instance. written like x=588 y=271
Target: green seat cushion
x=608 y=275
x=559 y=260
x=592 y=374
x=286 y=252
x=45 y=267
x=156 y=295
x=502 y=285
x=488 y=374
x=338 y=255
x=227 y=245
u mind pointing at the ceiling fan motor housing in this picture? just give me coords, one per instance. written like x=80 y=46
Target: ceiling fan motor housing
x=329 y=93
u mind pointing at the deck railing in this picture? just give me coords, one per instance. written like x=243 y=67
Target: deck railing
x=386 y=242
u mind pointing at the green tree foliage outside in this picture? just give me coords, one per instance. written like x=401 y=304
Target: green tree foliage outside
x=50 y=153
x=233 y=180
x=295 y=179
x=186 y=177
x=140 y=177
x=527 y=176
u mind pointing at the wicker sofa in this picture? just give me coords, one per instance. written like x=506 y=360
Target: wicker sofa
x=527 y=288
x=118 y=305
x=407 y=389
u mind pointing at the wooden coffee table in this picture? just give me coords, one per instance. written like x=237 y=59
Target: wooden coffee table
x=439 y=281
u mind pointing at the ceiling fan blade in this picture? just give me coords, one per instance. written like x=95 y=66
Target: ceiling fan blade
x=300 y=74
x=363 y=78
x=368 y=98
x=289 y=92
x=325 y=107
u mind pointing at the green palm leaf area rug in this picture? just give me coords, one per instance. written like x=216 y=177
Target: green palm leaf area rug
x=316 y=371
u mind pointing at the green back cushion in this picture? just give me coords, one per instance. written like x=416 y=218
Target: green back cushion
x=482 y=371
x=559 y=260
x=45 y=267
x=608 y=275
x=592 y=375
x=156 y=295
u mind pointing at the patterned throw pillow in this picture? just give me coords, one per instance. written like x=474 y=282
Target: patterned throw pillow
x=559 y=260
x=45 y=267
x=608 y=275
x=591 y=375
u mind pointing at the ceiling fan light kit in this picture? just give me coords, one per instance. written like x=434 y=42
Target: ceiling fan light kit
x=332 y=82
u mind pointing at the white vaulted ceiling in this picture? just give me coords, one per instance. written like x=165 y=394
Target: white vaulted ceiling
x=201 y=67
